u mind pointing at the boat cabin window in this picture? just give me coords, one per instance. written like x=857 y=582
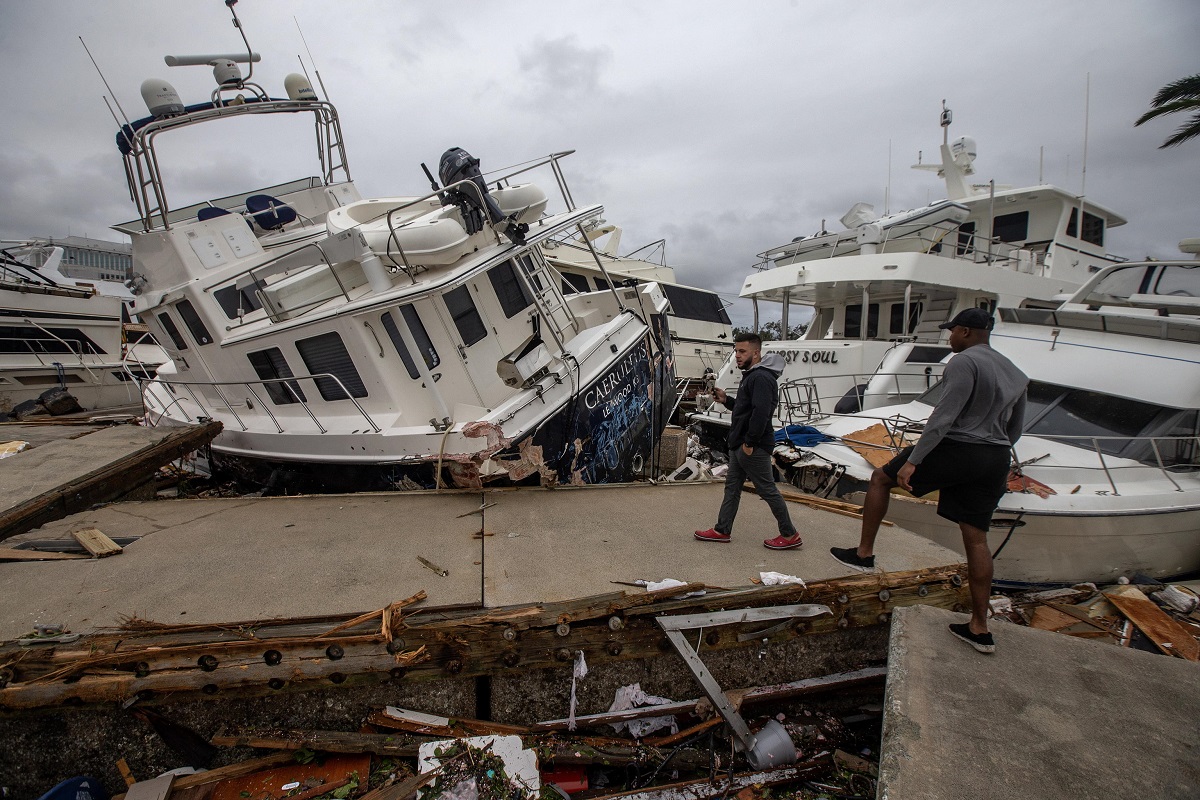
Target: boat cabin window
x=696 y=304
x=511 y=292
x=169 y=326
x=896 y=325
x=1168 y=280
x=1062 y=411
x=966 y=239
x=853 y=328
x=602 y=284
x=270 y=365
x=1011 y=227
x=1186 y=449
x=51 y=340
x=465 y=315
x=1178 y=280
x=327 y=355
x=236 y=302
x=1093 y=227
x=575 y=283
x=419 y=335
x=193 y=322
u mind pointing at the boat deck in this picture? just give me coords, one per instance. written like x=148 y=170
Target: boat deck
x=216 y=560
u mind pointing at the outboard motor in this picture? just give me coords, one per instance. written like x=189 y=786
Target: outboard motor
x=457 y=165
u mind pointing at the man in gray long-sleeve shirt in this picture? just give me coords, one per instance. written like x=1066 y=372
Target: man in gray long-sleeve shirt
x=964 y=454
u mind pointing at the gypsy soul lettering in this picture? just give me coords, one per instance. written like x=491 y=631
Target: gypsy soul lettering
x=809 y=356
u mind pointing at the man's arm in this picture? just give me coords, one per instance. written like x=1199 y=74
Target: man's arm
x=960 y=382
x=1016 y=421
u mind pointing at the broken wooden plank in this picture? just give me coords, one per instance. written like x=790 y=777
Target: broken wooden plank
x=126 y=773
x=237 y=770
x=722 y=787
x=26 y=507
x=325 y=774
x=10 y=554
x=854 y=763
x=95 y=542
x=418 y=722
x=380 y=744
x=1046 y=618
x=1168 y=635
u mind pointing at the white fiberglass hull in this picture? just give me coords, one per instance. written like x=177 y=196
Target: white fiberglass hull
x=1070 y=548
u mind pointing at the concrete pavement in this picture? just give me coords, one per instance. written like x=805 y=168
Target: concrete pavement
x=224 y=560
x=1045 y=716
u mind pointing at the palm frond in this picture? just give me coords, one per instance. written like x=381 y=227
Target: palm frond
x=1169 y=108
x=1188 y=130
x=1178 y=90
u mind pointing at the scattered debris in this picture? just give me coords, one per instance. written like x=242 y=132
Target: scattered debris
x=95 y=542
x=43 y=633
x=425 y=562
x=12 y=448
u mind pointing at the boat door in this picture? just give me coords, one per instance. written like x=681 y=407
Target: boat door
x=475 y=338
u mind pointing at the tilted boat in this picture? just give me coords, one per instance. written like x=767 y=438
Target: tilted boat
x=878 y=290
x=1111 y=450
x=59 y=333
x=397 y=341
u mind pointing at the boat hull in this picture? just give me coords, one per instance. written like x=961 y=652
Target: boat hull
x=1065 y=549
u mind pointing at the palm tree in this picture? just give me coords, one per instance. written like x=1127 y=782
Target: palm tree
x=1182 y=95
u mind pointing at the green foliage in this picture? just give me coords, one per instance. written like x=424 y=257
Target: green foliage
x=770 y=331
x=1178 y=96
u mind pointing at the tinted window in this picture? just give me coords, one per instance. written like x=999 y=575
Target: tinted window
x=896 y=323
x=419 y=335
x=854 y=321
x=1118 y=285
x=232 y=300
x=465 y=315
x=169 y=326
x=325 y=354
x=270 y=364
x=1178 y=281
x=1011 y=227
x=510 y=291
x=194 y=323
x=1038 y=397
x=696 y=304
x=50 y=340
x=579 y=282
x=966 y=235
x=601 y=283
x=1084 y=413
x=1093 y=227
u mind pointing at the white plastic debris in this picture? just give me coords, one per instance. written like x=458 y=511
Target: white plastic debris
x=632 y=696
x=1000 y=605
x=780 y=579
x=12 y=448
x=668 y=583
x=719 y=472
x=578 y=672
x=519 y=764
x=1177 y=598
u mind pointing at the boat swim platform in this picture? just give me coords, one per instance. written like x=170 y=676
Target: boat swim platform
x=218 y=560
x=1045 y=716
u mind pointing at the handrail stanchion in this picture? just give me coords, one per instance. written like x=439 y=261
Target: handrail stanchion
x=265 y=407
x=1104 y=466
x=1161 y=467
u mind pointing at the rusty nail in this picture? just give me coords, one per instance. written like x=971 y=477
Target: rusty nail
x=884 y=595
x=923 y=591
x=614 y=648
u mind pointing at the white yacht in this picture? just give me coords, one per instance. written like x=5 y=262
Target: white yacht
x=57 y=333
x=878 y=290
x=414 y=340
x=1112 y=435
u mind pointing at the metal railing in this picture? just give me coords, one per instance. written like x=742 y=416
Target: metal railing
x=296 y=396
x=1189 y=445
x=800 y=401
x=75 y=347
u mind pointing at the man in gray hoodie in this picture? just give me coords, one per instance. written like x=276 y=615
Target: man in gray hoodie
x=751 y=441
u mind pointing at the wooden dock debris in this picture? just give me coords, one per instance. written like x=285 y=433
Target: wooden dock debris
x=1167 y=634
x=262 y=657
x=233 y=770
x=30 y=504
x=154 y=789
x=95 y=542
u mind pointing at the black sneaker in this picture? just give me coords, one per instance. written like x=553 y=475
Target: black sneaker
x=983 y=642
x=848 y=556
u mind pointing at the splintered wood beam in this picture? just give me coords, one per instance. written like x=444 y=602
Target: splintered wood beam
x=1167 y=634
x=233 y=770
x=9 y=554
x=379 y=744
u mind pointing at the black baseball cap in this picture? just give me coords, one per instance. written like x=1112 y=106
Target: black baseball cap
x=971 y=318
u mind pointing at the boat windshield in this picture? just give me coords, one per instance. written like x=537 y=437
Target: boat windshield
x=1120 y=285
x=1121 y=426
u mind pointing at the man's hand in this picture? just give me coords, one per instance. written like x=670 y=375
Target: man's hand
x=747 y=449
x=904 y=474
x=719 y=395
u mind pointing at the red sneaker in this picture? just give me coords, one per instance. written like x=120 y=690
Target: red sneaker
x=782 y=543
x=712 y=535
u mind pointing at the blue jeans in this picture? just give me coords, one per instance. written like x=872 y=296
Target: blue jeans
x=756 y=467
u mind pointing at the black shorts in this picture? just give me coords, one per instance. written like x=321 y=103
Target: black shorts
x=971 y=478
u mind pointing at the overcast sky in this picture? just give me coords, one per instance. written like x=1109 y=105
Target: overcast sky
x=726 y=128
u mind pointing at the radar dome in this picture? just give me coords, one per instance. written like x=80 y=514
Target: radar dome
x=298 y=87
x=964 y=151
x=161 y=98
x=226 y=72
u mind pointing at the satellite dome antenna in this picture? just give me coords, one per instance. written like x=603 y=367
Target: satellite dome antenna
x=225 y=70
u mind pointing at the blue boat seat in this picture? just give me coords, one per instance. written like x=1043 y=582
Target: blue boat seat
x=210 y=212
x=269 y=213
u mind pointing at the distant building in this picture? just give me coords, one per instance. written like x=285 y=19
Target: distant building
x=89 y=259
